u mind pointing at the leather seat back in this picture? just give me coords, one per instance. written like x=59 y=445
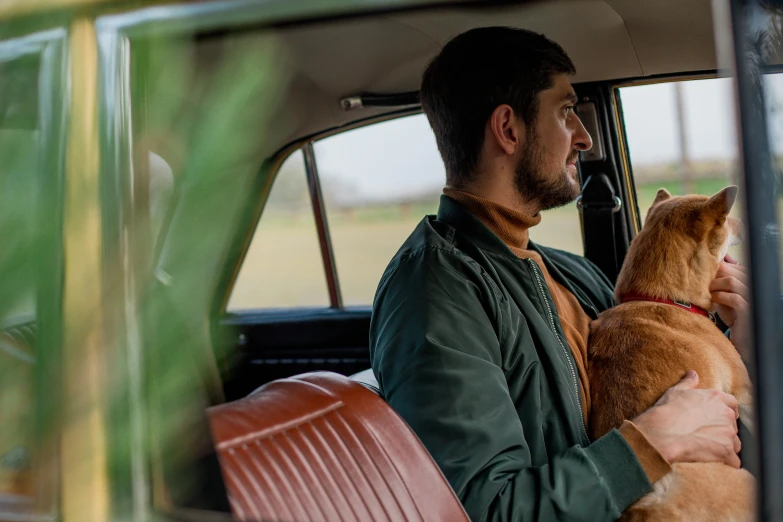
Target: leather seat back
x=319 y=446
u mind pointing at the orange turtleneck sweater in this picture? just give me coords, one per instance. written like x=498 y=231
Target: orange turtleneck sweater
x=512 y=228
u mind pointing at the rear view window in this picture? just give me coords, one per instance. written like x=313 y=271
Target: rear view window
x=283 y=266
x=378 y=183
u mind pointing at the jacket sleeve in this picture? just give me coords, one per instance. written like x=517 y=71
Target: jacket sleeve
x=435 y=351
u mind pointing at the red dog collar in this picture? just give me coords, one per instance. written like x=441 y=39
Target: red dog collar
x=690 y=307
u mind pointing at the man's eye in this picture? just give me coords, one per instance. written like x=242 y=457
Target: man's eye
x=567 y=110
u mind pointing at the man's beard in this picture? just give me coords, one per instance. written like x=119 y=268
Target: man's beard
x=546 y=190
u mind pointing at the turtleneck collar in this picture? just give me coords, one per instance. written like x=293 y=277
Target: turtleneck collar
x=508 y=224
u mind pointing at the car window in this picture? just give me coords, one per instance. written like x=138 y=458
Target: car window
x=378 y=182
x=283 y=267
x=560 y=228
x=681 y=136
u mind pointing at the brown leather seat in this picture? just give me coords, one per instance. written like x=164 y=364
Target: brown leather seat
x=319 y=446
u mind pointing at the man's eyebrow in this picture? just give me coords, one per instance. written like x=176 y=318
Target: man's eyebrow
x=570 y=97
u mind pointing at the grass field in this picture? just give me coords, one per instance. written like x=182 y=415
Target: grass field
x=283 y=267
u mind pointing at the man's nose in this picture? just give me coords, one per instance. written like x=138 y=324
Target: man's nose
x=582 y=139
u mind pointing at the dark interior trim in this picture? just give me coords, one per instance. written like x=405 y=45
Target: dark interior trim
x=597 y=242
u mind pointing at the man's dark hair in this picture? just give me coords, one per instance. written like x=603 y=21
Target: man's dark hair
x=476 y=72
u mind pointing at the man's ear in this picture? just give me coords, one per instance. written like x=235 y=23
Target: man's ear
x=662 y=195
x=504 y=129
x=719 y=205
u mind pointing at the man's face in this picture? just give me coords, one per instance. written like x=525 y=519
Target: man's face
x=546 y=172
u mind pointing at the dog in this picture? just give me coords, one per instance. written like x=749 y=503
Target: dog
x=661 y=329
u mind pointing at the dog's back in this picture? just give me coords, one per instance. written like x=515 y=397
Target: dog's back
x=640 y=348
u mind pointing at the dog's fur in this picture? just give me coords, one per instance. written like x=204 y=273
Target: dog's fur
x=639 y=349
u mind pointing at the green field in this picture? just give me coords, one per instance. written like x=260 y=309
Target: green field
x=283 y=267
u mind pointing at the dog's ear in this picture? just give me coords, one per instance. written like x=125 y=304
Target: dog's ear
x=662 y=195
x=719 y=205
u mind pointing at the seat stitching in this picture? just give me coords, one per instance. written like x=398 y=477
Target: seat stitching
x=396 y=472
x=311 y=471
x=272 y=431
x=341 y=465
x=290 y=491
x=363 y=448
x=359 y=467
x=298 y=476
x=240 y=488
x=272 y=486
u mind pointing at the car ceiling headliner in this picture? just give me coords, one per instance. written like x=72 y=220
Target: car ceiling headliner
x=324 y=62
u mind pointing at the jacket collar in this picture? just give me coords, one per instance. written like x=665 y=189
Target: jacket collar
x=470 y=227
x=511 y=226
x=473 y=230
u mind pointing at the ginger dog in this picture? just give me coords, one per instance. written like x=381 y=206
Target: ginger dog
x=640 y=348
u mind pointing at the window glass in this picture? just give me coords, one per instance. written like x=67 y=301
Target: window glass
x=682 y=137
x=283 y=267
x=378 y=182
x=560 y=228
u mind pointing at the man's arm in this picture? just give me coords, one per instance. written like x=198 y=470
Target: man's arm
x=436 y=354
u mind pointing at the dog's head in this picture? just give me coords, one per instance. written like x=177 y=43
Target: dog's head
x=703 y=219
x=679 y=250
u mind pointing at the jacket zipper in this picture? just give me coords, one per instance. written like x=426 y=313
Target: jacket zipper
x=562 y=346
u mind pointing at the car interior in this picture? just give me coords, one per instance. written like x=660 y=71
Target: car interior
x=287 y=419
x=609 y=42
x=373 y=64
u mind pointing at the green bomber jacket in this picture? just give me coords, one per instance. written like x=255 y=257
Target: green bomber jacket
x=467 y=347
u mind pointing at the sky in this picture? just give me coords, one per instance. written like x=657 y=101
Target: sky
x=399 y=158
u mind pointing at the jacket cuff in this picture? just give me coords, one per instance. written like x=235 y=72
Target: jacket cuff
x=619 y=468
x=651 y=460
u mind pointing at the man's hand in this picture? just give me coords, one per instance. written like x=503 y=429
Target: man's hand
x=731 y=295
x=692 y=425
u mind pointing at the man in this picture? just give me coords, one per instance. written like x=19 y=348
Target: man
x=479 y=337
